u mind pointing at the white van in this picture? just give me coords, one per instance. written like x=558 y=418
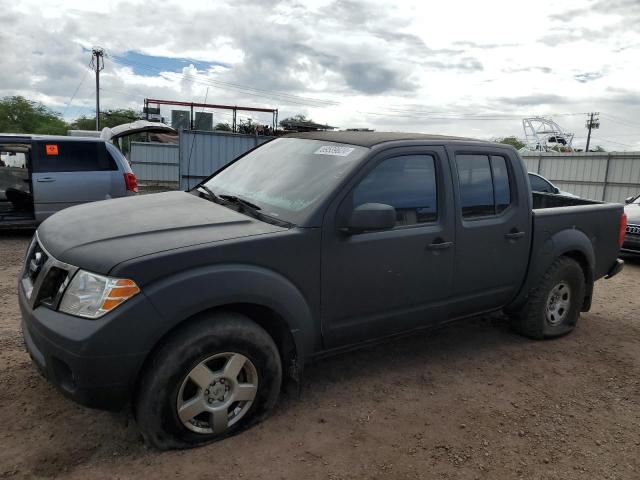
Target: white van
x=42 y=174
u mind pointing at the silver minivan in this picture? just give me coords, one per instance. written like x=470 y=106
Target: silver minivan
x=40 y=175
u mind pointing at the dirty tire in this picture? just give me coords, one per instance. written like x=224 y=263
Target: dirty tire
x=165 y=375
x=534 y=321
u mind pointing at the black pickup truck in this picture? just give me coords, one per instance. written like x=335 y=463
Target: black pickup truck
x=192 y=306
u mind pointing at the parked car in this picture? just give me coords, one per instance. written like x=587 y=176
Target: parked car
x=42 y=174
x=632 y=236
x=194 y=306
x=542 y=185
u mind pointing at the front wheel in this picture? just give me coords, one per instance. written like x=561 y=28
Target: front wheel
x=553 y=307
x=216 y=377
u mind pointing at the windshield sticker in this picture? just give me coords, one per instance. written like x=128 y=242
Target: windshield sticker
x=334 y=150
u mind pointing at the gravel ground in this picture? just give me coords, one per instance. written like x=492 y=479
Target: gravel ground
x=472 y=400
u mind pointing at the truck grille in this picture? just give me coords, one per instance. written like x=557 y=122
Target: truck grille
x=44 y=278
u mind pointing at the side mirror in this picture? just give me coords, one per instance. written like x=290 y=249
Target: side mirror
x=556 y=190
x=629 y=199
x=371 y=217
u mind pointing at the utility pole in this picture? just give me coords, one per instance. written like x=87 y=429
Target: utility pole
x=97 y=63
x=592 y=123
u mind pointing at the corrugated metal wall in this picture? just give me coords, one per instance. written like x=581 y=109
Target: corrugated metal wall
x=202 y=153
x=155 y=163
x=611 y=176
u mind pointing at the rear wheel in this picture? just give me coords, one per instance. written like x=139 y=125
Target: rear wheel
x=553 y=307
x=216 y=377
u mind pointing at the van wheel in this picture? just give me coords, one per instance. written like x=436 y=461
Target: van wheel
x=212 y=379
x=554 y=305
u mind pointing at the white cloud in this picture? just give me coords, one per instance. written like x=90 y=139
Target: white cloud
x=381 y=65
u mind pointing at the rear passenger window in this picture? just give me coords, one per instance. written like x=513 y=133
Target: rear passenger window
x=73 y=156
x=484 y=185
x=407 y=183
x=501 y=186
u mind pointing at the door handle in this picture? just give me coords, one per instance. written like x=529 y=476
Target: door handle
x=440 y=245
x=46 y=180
x=513 y=235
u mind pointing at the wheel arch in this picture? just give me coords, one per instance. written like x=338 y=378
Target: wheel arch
x=265 y=296
x=267 y=318
x=570 y=243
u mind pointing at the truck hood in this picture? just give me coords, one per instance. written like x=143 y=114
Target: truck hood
x=633 y=213
x=98 y=236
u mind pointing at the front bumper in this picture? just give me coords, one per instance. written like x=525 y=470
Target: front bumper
x=72 y=354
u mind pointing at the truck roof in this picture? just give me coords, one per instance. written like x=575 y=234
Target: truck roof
x=369 y=139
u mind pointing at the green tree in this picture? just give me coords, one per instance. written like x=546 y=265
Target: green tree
x=108 y=118
x=295 y=118
x=20 y=115
x=225 y=127
x=513 y=141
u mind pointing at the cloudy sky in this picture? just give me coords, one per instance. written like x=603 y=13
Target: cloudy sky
x=464 y=67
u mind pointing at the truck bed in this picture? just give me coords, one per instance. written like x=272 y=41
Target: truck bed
x=564 y=224
x=550 y=200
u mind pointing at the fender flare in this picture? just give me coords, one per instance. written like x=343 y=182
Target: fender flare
x=571 y=242
x=180 y=296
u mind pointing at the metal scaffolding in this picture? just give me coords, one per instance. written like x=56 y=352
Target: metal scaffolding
x=192 y=105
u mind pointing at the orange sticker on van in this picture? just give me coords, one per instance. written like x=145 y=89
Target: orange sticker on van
x=51 y=149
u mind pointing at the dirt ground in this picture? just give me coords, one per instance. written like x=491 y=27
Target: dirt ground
x=471 y=400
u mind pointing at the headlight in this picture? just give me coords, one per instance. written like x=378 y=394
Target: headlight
x=91 y=296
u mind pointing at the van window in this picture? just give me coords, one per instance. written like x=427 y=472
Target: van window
x=484 y=185
x=73 y=156
x=407 y=183
x=539 y=184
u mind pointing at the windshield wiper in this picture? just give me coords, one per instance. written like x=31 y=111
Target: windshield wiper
x=209 y=192
x=240 y=201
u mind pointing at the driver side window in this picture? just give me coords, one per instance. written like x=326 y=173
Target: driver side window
x=407 y=183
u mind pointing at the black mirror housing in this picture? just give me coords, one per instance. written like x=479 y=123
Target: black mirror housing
x=629 y=199
x=371 y=217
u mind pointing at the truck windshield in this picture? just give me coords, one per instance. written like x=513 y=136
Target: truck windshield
x=287 y=176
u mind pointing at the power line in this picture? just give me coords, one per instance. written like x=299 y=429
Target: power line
x=75 y=92
x=263 y=93
x=617 y=143
x=621 y=121
x=476 y=115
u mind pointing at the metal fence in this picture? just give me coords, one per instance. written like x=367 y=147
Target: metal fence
x=155 y=164
x=202 y=153
x=608 y=176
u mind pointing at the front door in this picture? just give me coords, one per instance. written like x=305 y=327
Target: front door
x=70 y=172
x=380 y=283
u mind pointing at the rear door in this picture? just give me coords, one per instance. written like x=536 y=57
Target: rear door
x=71 y=172
x=493 y=228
